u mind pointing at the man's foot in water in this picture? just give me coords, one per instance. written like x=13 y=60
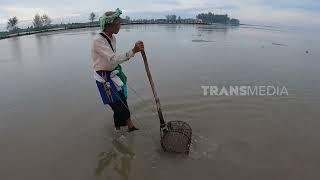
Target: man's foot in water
x=131 y=126
x=132 y=129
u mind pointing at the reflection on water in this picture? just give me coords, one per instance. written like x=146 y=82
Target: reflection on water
x=201 y=40
x=16 y=50
x=93 y=33
x=279 y=44
x=124 y=168
x=44 y=45
x=118 y=158
x=105 y=160
x=215 y=28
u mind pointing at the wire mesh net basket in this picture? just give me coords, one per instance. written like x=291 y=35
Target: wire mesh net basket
x=176 y=137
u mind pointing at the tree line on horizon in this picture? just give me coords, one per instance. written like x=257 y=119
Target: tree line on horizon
x=39 y=22
x=217 y=18
x=43 y=22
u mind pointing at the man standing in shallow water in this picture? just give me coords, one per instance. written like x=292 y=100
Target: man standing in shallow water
x=110 y=79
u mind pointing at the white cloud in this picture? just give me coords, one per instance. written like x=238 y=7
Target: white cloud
x=246 y=10
x=22 y=13
x=169 y=6
x=277 y=16
x=26 y=14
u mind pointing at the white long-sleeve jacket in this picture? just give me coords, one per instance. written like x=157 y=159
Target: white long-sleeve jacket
x=102 y=56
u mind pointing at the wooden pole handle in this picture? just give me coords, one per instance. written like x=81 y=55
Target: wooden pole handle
x=146 y=65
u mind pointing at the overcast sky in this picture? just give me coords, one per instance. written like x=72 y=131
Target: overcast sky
x=273 y=12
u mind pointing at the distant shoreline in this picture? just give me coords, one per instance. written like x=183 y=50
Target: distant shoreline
x=95 y=26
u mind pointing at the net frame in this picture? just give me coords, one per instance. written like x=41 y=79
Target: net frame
x=176 y=137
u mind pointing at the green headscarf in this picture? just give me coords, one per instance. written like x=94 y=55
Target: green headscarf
x=103 y=20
